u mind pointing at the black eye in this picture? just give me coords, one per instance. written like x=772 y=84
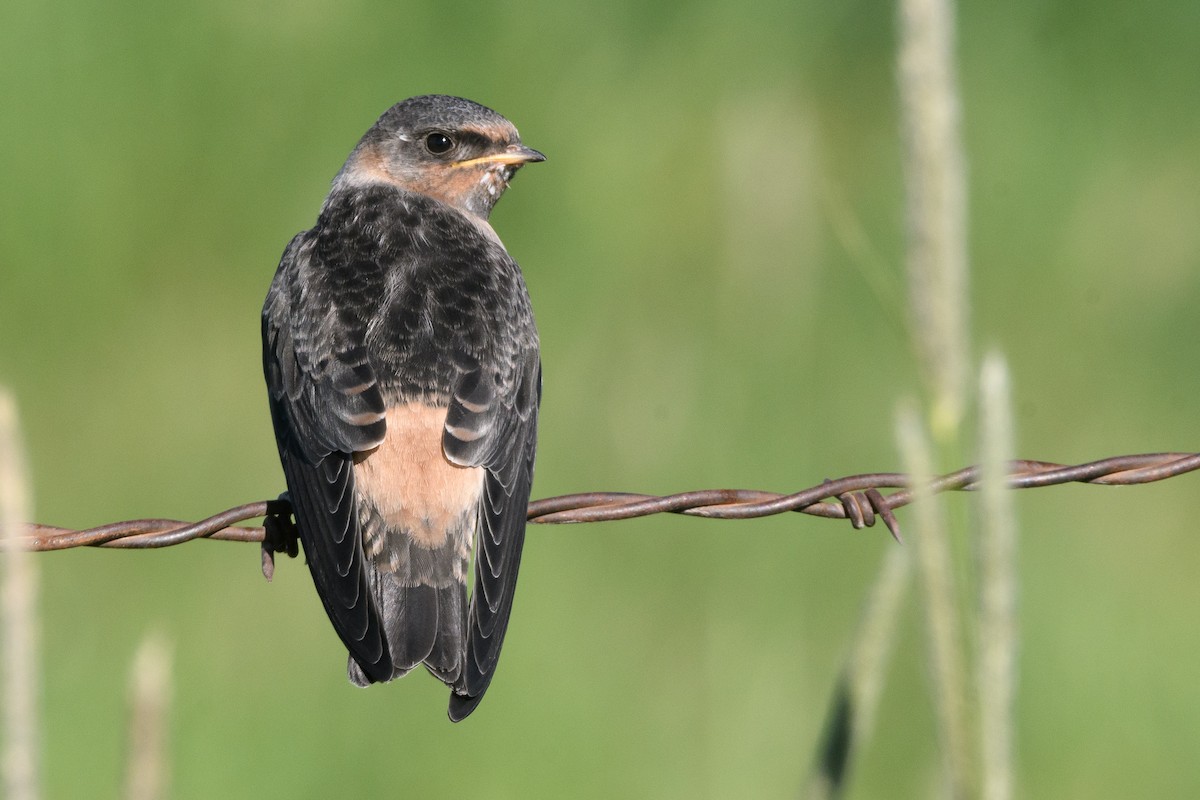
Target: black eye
x=438 y=143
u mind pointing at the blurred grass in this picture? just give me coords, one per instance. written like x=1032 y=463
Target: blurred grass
x=703 y=324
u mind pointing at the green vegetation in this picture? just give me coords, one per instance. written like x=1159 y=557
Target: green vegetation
x=714 y=251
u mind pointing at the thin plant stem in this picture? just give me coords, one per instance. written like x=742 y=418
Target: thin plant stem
x=146 y=770
x=18 y=609
x=935 y=204
x=850 y=719
x=942 y=618
x=997 y=626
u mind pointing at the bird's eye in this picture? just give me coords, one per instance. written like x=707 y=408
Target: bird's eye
x=438 y=143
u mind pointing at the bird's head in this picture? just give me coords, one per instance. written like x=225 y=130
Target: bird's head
x=447 y=148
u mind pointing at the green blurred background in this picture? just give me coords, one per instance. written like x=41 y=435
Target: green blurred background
x=714 y=251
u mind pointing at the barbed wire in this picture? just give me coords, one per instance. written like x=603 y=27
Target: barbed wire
x=857 y=498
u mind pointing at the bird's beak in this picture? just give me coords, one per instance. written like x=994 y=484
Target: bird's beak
x=513 y=154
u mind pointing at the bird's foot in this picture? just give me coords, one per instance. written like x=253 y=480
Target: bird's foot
x=280 y=534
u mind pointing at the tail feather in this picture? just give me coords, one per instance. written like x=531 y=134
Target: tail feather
x=446 y=658
x=423 y=624
x=416 y=575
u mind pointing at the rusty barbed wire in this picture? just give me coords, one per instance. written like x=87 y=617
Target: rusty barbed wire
x=857 y=498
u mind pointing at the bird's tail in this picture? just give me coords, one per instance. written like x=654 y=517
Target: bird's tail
x=420 y=595
x=423 y=624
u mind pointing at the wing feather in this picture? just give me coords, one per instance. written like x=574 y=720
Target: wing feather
x=325 y=405
x=505 y=447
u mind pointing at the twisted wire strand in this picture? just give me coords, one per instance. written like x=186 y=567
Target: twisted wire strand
x=857 y=498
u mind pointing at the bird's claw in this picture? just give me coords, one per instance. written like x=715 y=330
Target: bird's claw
x=280 y=534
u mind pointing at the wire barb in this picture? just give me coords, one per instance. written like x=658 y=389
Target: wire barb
x=857 y=498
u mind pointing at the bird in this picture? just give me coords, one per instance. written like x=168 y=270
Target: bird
x=404 y=378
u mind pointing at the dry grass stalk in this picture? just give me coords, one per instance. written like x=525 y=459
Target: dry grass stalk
x=18 y=609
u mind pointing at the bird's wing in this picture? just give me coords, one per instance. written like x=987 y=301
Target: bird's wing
x=494 y=427
x=326 y=406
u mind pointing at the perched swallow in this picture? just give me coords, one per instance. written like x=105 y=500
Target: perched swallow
x=402 y=365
